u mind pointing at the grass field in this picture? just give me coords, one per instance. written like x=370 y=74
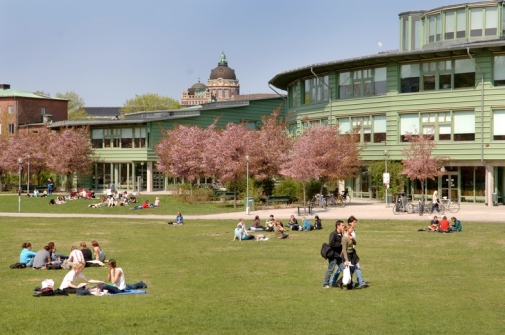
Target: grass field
x=200 y=282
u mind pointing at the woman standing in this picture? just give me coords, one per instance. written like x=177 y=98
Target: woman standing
x=349 y=255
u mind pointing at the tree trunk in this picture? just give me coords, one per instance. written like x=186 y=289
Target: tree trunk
x=304 y=199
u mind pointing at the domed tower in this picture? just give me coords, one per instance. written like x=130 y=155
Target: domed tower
x=197 y=94
x=223 y=84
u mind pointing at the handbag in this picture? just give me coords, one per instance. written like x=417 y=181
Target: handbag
x=346 y=278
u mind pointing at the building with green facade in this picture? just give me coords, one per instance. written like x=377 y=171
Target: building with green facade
x=125 y=148
x=447 y=79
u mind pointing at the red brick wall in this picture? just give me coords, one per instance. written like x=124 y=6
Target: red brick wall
x=30 y=110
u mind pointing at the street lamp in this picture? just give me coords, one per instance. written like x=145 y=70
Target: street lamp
x=386 y=176
x=247 y=184
x=20 y=163
x=28 y=179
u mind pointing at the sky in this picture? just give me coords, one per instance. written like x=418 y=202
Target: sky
x=109 y=51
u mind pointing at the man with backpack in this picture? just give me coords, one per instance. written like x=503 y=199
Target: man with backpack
x=334 y=257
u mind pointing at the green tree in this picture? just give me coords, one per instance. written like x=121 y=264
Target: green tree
x=75 y=105
x=149 y=102
x=396 y=178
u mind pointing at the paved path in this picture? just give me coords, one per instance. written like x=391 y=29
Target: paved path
x=362 y=209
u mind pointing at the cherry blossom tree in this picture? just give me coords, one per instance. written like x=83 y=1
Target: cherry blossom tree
x=69 y=152
x=270 y=147
x=226 y=152
x=180 y=153
x=418 y=162
x=322 y=152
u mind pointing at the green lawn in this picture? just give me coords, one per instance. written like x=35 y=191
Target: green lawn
x=169 y=206
x=200 y=282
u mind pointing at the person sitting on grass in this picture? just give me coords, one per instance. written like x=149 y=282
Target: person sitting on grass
x=179 y=219
x=69 y=283
x=116 y=279
x=255 y=225
x=306 y=225
x=27 y=255
x=444 y=226
x=279 y=230
x=456 y=225
x=145 y=205
x=433 y=224
x=241 y=233
x=293 y=223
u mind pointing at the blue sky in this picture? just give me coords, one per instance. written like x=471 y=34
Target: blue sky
x=107 y=51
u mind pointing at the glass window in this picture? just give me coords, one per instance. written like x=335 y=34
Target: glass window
x=450 y=25
x=380 y=86
x=10 y=109
x=491 y=26
x=316 y=89
x=12 y=129
x=107 y=138
x=499 y=125
x=409 y=78
x=409 y=123
x=444 y=133
x=460 y=23
x=464 y=73
x=127 y=138
x=344 y=87
x=139 y=137
x=416 y=34
x=379 y=128
x=97 y=138
x=499 y=71
x=345 y=125
x=405 y=25
x=476 y=23
x=464 y=126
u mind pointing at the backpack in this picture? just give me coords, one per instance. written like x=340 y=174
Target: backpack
x=326 y=251
x=18 y=266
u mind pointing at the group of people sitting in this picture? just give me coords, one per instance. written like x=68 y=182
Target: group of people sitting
x=273 y=225
x=444 y=226
x=48 y=258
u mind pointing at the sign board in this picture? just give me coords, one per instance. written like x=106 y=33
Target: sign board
x=385 y=178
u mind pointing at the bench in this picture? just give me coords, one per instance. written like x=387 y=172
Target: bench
x=39 y=188
x=225 y=195
x=278 y=198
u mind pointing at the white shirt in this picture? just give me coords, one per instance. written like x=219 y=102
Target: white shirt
x=70 y=278
x=120 y=282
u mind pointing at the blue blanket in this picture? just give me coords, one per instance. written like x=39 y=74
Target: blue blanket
x=131 y=292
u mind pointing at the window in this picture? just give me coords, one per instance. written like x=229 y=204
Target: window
x=409 y=123
x=437 y=124
x=345 y=125
x=294 y=96
x=460 y=23
x=379 y=128
x=364 y=123
x=450 y=25
x=97 y=138
x=12 y=129
x=316 y=89
x=476 y=23
x=116 y=138
x=107 y=136
x=344 y=87
x=499 y=71
x=42 y=111
x=464 y=73
x=409 y=78
x=10 y=109
x=363 y=82
x=499 y=125
x=491 y=24
x=127 y=138
x=139 y=137
x=437 y=75
x=434 y=28
x=464 y=126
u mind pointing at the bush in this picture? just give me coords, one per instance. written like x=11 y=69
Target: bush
x=289 y=187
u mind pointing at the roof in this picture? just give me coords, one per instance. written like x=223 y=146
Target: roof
x=105 y=112
x=10 y=93
x=284 y=79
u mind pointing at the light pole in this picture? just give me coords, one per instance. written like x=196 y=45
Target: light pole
x=247 y=184
x=20 y=163
x=386 y=176
x=28 y=178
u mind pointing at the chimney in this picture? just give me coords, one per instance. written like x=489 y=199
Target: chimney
x=5 y=86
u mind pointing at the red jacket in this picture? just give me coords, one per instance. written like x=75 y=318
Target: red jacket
x=444 y=225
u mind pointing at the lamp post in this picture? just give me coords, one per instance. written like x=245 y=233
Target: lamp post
x=28 y=177
x=20 y=164
x=386 y=176
x=247 y=184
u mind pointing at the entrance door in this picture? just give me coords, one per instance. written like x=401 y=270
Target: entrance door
x=450 y=186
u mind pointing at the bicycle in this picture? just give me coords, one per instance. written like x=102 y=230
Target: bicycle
x=346 y=196
x=450 y=205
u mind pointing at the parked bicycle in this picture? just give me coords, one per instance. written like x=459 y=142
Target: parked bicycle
x=413 y=207
x=450 y=205
x=345 y=195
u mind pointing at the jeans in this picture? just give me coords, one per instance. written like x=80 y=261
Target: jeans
x=433 y=207
x=332 y=262
x=359 y=277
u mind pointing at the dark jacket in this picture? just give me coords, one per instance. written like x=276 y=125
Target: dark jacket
x=335 y=242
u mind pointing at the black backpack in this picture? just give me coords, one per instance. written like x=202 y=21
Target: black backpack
x=326 y=251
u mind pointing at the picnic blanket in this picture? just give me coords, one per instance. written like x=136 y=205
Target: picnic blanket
x=131 y=292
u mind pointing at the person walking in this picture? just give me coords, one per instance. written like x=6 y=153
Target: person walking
x=434 y=202
x=335 y=259
x=352 y=221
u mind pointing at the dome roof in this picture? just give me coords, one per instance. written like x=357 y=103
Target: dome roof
x=199 y=86
x=222 y=70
